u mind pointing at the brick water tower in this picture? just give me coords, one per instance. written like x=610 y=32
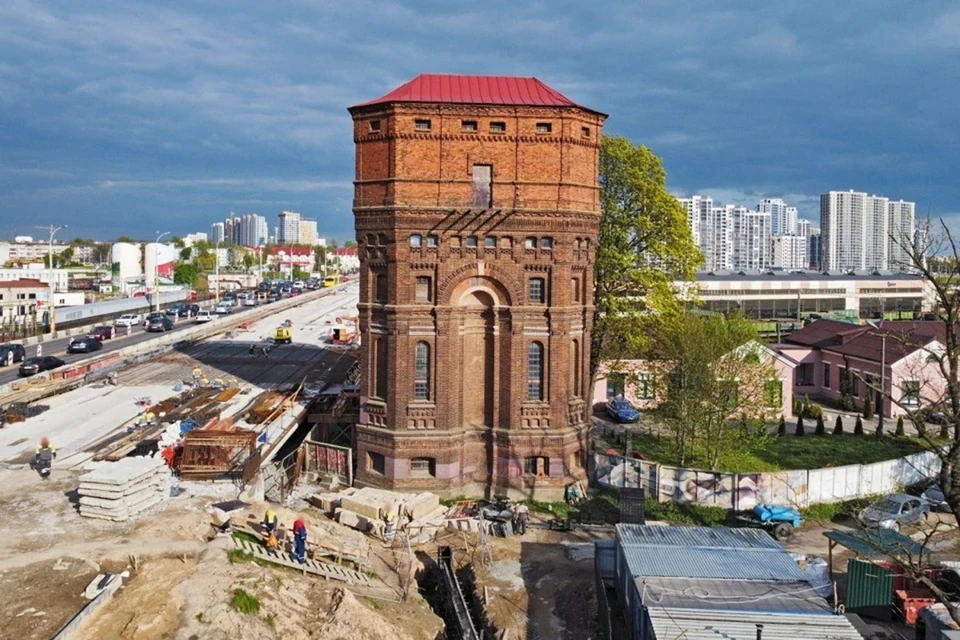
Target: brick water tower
x=476 y=206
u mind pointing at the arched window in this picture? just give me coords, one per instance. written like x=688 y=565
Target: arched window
x=421 y=372
x=535 y=371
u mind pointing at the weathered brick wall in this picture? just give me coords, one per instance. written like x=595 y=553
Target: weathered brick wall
x=477 y=425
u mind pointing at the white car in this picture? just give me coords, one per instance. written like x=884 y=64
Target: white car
x=223 y=309
x=204 y=315
x=250 y=301
x=128 y=320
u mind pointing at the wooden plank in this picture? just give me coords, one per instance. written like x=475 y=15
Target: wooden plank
x=311 y=566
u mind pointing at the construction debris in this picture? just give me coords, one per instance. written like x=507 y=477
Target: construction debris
x=119 y=490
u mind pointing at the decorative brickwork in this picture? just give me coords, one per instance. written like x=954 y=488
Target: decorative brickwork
x=477 y=237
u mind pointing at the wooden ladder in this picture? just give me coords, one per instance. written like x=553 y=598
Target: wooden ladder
x=330 y=571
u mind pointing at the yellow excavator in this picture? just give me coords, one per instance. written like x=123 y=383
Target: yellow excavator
x=283 y=334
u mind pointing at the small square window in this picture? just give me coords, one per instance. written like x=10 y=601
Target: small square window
x=471 y=242
x=490 y=242
x=374 y=125
x=468 y=126
x=546 y=243
x=421 y=124
x=423 y=468
x=416 y=240
x=530 y=243
x=506 y=243
x=536 y=290
x=423 y=291
x=432 y=241
x=585 y=132
x=544 y=127
x=498 y=127
x=376 y=462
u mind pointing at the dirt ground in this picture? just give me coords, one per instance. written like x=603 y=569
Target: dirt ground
x=181 y=585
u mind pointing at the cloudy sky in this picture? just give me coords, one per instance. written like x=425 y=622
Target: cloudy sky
x=129 y=117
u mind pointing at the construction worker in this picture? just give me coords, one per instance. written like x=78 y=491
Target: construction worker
x=263 y=351
x=253 y=348
x=197 y=374
x=44 y=456
x=300 y=541
x=204 y=381
x=270 y=521
x=523 y=514
x=389 y=529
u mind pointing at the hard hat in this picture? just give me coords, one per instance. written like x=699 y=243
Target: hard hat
x=270 y=514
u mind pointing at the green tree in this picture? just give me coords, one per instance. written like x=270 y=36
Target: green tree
x=716 y=371
x=185 y=254
x=185 y=273
x=125 y=239
x=248 y=260
x=782 y=427
x=846 y=390
x=350 y=244
x=838 y=427
x=858 y=427
x=644 y=246
x=900 y=431
x=177 y=241
x=868 y=404
x=799 y=430
x=821 y=428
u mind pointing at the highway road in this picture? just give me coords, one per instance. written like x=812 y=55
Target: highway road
x=58 y=347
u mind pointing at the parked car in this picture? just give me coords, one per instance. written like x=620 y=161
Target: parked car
x=893 y=511
x=174 y=310
x=159 y=323
x=935 y=498
x=621 y=410
x=189 y=311
x=223 y=309
x=273 y=297
x=128 y=320
x=33 y=366
x=103 y=332
x=85 y=344
x=205 y=315
x=19 y=353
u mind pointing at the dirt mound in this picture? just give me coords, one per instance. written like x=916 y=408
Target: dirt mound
x=347 y=618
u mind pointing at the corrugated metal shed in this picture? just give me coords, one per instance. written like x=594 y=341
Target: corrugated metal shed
x=702 y=537
x=700 y=624
x=732 y=595
x=464 y=89
x=717 y=563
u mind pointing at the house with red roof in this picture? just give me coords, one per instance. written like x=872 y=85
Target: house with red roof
x=905 y=355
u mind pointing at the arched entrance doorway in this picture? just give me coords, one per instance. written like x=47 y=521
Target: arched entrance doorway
x=478 y=346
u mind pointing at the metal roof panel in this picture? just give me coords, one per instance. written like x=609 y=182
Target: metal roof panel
x=733 y=564
x=700 y=624
x=704 y=537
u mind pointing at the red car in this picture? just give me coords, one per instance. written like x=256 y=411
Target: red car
x=102 y=333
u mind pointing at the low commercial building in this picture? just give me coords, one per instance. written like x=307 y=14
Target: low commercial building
x=788 y=294
x=19 y=301
x=833 y=358
x=700 y=582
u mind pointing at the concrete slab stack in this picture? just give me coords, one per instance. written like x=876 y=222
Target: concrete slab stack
x=119 y=490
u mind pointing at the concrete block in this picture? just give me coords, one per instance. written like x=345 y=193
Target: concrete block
x=420 y=505
x=363 y=505
x=353 y=520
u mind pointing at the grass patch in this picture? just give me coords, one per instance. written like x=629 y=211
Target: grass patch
x=558 y=509
x=271 y=620
x=691 y=514
x=245 y=603
x=449 y=502
x=236 y=556
x=246 y=537
x=790 y=452
x=200 y=619
x=374 y=603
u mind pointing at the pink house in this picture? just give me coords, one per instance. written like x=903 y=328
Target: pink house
x=908 y=351
x=643 y=382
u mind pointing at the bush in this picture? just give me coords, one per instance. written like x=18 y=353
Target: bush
x=846 y=402
x=782 y=427
x=820 y=430
x=799 y=430
x=899 y=431
x=838 y=427
x=797 y=407
x=814 y=412
x=858 y=427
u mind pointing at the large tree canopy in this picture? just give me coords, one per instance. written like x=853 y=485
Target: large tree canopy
x=645 y=246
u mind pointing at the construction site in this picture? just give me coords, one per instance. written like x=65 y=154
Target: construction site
x=151 y=523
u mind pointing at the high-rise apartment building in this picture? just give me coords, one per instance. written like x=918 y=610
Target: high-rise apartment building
x=252 y=230
x=216 y=232
x=783 y=219
x=804 y=228
x=308 y=232
x=697 y=208
x=902 y=222
x=716 y=238
x=858 y=230
x=288 y=230
x=790 y=252
x=751 y=239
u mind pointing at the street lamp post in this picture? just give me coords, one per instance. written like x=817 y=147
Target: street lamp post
x=156 y=270
x=52 y=308
x=883 y=367
x=216 y=281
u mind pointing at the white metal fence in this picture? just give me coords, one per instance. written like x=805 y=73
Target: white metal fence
x=741 y=491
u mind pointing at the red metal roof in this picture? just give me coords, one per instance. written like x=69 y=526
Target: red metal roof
x=456 y=89
x=23 y=283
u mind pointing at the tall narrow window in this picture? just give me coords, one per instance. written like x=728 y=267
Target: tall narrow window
x=423 y=292
x=380 y=368
x=575 y=368
x=421 y=372
x=535 y=371
x=536 y=292
x=381 y=290
x=575 y=289
x=482 y=185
